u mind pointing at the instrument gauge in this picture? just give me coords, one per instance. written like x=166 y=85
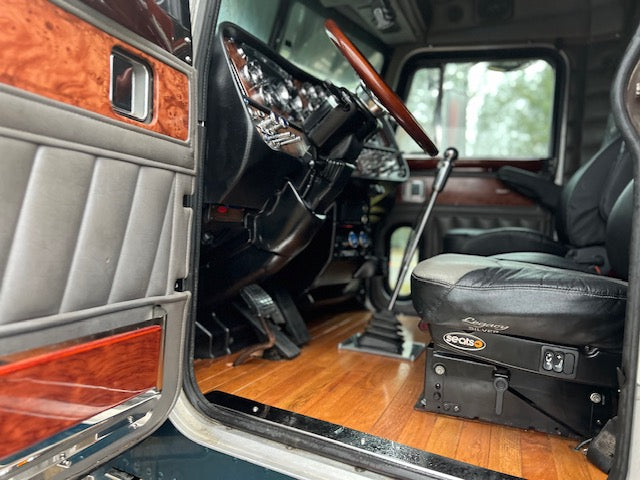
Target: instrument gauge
x=311 y=92
x=364 y=240
x=296 y=103
x=352 y=239
x=283 y=93
x=269 y=95
x=252 y=71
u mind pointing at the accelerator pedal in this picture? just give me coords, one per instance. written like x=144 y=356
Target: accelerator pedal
x=262 y=312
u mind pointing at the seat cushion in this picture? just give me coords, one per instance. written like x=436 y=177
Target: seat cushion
x=554 y=305
x=492 y=241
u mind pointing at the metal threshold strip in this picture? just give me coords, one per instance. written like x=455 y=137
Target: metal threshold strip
x=378 y=453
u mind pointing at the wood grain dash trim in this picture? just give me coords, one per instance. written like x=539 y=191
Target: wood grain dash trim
x=470 y=191
x=421 y=163
x=478 y=191
x=50 y=52
x=51 y=392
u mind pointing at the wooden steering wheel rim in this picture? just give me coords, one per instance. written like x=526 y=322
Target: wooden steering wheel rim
x=379 y=87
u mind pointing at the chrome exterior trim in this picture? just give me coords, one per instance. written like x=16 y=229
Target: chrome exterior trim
x=81 y=440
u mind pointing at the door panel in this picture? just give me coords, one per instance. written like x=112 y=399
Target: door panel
x=471 y=190
x=94 y=240
x=472 y=198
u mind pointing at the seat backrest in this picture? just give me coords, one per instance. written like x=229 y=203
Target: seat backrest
x=619 y=233
x=587 y=198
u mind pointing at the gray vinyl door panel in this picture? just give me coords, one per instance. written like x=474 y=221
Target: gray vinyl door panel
x=94 y=236
x=104 y=237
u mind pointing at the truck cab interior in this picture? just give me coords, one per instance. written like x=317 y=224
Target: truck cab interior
x=313 y=178
x=354 y=239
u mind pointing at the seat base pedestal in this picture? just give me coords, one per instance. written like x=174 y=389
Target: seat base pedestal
x=464 y=387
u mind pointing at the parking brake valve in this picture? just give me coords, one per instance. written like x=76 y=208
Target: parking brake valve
x=501 y=384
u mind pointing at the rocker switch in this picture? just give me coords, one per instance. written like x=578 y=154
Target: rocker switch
x=558 y=362
x=569 y=363
x=547 y=362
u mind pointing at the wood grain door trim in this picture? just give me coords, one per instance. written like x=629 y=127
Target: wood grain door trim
x=50 y=52
x=53 y=391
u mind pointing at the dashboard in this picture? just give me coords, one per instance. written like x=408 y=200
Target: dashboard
x=295 y=173
x=281 y=103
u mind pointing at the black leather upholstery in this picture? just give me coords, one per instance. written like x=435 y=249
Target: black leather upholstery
x=547 y=259
x=492 y=241
x=619 y=233
x=581 y=216
x=588 y=196
x=531 y=295
x=519 y=299
x=540 y=188
x=525 y=343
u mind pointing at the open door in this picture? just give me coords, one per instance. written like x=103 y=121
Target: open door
x=97 y=173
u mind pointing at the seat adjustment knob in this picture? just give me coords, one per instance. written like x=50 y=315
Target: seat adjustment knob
x=501 y=385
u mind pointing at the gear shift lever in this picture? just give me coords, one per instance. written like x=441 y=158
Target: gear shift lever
x=383 y=334
x=444 y=170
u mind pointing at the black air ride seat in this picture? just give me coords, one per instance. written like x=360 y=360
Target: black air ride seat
x=582 y=208
x=523 y=344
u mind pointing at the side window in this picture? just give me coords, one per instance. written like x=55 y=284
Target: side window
x=496 y=109
x=397 y=245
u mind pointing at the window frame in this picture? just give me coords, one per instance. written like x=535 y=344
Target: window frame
x=433 y=57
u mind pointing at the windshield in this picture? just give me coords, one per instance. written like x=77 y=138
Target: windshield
x=306 y=45
x=302 y=40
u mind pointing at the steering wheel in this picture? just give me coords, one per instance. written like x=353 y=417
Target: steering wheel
x=379 y=87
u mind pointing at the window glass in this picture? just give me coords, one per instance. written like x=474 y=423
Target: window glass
x=397 y=246
x=256 y=17
x=485 y=109
x=306 y=44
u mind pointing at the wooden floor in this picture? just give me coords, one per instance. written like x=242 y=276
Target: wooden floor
x=375 y=394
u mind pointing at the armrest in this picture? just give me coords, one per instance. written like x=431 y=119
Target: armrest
x=540 y=189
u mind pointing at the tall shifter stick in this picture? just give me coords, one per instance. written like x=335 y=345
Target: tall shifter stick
x=444 y=169
x=383 y=335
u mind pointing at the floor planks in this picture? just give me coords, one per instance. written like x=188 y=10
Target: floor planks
x=376 y=395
